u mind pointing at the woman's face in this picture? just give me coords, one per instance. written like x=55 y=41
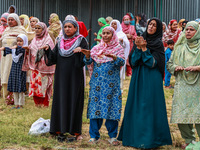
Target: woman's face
x=107 y=35
x=11 y=10
x=20 y=42
x=190 y=32
x=69 y=29
x=107 y=21
x=127 y=19
x=22 y=21
x=114 y=25
x=12 y=22
x=38 y=30
x=152 y=27
x=174 y=26
x=163 y=26
x=32 y=23
x=49 y=21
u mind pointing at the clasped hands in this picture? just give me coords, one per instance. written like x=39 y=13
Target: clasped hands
x=141 y=43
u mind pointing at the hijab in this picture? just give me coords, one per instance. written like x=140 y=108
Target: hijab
x=26 y=24
x=155 y=45
x=13 y=7
x=109 y=19
x=113 y=47
x=122 y=35
x=16 y=57
x=187 y=53
x=4 y=17
x=37 y=42
x=68 y=44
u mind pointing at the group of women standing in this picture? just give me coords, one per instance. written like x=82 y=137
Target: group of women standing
x=145 y=123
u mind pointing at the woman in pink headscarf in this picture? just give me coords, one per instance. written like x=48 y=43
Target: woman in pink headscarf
x=172 y=33
x=4 y=23
x=130 y=32
x=41 y=78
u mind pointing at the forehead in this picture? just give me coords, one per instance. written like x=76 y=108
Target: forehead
x=190 y=27
x=68 y=24
x=18 y=38
x=11 y=18
x=38 y=26
x=152 y=22
x=114 y=22
x=107 y=30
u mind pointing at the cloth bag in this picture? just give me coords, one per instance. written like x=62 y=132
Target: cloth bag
x=40 y=126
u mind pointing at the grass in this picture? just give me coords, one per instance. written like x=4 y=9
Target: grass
x=15 y=125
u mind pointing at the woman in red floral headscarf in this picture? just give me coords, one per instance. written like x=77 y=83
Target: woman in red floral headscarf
x=172 y=33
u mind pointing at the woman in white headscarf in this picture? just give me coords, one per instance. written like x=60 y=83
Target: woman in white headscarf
x=9 y=39
x=123 y=40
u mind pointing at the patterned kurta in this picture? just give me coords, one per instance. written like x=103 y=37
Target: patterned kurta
x=17 y=77
x=105 y=100
x=186 y=99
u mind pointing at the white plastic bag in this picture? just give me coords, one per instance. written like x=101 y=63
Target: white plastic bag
x=40 y=126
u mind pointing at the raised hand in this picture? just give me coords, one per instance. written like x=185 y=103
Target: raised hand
x=86 y=53
x=46 y=47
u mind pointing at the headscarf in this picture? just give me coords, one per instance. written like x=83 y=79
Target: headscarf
x=26 y=24
x=155 y=45
x=187 y=53
x=122 y=35
x=13 y=7
x=35 y=18
x=109 y=19
x=4 y=17
x=16 y=17
x=171 y=35
x=70 y=17
x=55 y=27
x=102 y=20
x=179 y=24
x=4 y=24
x=165 y=26
x=39 y=41
x=68 y=44
x=127 y=29
x=25 y=43
x=113 y=47
x=131 y=18
x=197 y=20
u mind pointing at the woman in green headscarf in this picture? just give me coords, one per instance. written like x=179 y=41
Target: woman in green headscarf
x=184 y=64
x=102 y=23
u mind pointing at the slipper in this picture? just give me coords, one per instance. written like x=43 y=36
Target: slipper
x=79 y=137
x=113 y=141
x=93 y=141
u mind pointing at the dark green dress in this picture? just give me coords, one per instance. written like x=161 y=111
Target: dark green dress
x=145 y=123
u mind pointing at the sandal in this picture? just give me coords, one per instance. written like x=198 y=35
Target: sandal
x=79 y=137
x=93 y=141
x=113 y=141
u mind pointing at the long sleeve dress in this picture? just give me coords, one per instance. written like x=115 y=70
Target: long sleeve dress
x=145 y=123
x=17 y=77
x=68 y=95
x=105 y=100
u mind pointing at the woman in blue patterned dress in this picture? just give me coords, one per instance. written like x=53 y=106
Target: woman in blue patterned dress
x=105 y=100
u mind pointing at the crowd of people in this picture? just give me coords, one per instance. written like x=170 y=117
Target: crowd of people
x=34 y=56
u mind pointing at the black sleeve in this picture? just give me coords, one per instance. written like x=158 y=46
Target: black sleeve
x=50 y=56
x=7 y=51
x=79 y=56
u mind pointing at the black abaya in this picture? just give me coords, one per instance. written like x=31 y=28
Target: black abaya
x=68 y=96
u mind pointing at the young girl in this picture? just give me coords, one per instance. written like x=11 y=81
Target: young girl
x=17 y=77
